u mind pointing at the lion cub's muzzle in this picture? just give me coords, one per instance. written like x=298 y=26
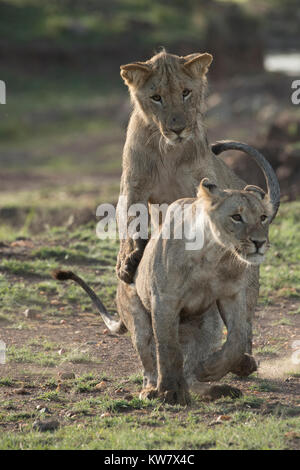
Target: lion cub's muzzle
x=260 y=246
x=258 y=250
x=177 y=136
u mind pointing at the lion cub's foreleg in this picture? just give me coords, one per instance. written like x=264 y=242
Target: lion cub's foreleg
x=171 y=383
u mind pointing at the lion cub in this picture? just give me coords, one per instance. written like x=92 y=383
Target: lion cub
x=174 y=286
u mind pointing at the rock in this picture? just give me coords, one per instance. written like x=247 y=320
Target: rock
x=48 y=425
x=100 y=385
x=22 y=242
x=21 y=391
x=45 y=410
x=223 y=418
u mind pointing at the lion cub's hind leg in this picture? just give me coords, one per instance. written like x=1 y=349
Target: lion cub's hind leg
x=200 y=338
x=138 y=323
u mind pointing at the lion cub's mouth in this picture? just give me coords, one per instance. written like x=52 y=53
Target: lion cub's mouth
x=255 y=258
x=177 y=139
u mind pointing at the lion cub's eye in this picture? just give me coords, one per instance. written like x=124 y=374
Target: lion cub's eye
x=263 y=218
x=156 y=98
x=237 y=217
x=186 y=93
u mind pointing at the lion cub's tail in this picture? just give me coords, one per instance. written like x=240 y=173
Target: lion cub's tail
x=115 y=326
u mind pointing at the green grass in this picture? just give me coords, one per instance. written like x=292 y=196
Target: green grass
x=101 y=419
x=245 y=431
x=6 y=382
x=27 y=355
x=280 y=274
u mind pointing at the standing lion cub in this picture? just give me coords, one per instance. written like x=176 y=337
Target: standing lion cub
x=166 y=155
x=174 y=287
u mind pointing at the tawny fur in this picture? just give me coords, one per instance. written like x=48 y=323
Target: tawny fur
x=174 y=288
x=160 y=166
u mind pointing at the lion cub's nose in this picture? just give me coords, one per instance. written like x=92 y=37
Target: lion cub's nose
x=258 y=243
x=176 y=124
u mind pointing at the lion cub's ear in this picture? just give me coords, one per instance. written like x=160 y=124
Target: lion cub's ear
x=135 y=74
x=198 y=64
x=255 y=189
x=209 y=191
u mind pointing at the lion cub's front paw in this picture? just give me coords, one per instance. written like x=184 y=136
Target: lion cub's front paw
x=128 y=262
x=126 y=272
x=246 y=366
x=148 y=393
x=179 y=396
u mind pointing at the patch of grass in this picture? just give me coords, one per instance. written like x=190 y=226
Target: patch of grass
x=77 y=357
x=245 y=431
x=125 y=405
x=51 y=383
x=51 y=396
x=15 y=417
x=35 y=268
x=5 y=318
x=264 y=386
x=85 y=383
x=27 y=355
x=283 y=321
x=270 y=351
x=294 y=312
x=136 y=379
x=280 y=274
x=63 y=254
x=44 y=344
x=6 y=382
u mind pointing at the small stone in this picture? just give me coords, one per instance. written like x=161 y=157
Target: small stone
x=223 y=418
x=66 y=375
x=292 y=435
x=21 y=391
x=100 y=385
x=22 y=243
x=48 y=425
x=45 y=410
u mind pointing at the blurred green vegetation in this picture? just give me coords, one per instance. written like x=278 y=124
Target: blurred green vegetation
x=112 y=25
x=123 y=30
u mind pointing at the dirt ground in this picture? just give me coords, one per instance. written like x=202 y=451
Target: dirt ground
x=276 y=381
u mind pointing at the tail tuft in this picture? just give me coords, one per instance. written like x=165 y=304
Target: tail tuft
x=62 y=275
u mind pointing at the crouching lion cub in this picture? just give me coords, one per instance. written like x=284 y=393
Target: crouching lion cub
x=174 y=286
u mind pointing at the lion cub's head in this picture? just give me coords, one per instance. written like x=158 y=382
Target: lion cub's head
x=169 y=91
x=239 y=220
